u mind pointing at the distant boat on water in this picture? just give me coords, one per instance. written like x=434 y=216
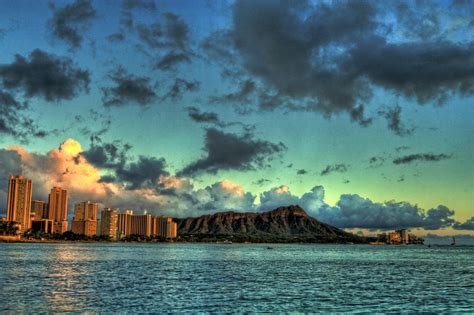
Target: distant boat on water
x=454 y=241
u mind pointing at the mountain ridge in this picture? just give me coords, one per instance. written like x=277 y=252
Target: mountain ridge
x=288 y=224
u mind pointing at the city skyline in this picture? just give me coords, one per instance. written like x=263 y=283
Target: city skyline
x=180 y=108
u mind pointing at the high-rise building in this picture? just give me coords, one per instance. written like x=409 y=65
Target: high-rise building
x=404 y=238
x=85 y=218
x=165 y=227
x=40 y=209
x=141 y=225
x=86 y=211
x=19 y=201
x=124 y=223
x=108 y=223
x=57 y=209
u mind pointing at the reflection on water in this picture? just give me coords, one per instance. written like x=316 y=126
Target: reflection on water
x=234 y=278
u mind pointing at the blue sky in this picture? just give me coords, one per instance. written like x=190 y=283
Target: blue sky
x=284 y=94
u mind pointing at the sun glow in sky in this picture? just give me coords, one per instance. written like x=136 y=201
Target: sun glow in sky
x=359 y=111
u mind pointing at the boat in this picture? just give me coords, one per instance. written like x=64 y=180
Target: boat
x=454 y=241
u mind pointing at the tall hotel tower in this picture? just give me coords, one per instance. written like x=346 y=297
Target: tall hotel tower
x=58 y=209
x=19 y=201
x=85 y=218
x=108 y=223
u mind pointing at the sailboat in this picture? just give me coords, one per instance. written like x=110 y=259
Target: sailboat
x=454 y=241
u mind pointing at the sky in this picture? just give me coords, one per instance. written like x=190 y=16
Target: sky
x=359 y=111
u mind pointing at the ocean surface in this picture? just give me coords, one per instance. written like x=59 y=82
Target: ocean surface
x=131 y=278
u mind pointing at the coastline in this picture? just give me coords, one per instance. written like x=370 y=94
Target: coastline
x=45 y=241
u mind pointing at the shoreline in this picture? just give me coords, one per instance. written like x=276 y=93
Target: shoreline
x=35 y=241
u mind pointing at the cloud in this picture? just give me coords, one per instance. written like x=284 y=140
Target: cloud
x=204 y=117
x=44 y=75
x=14 y=120
x=224 y=195
x=394 y=122
x=467 y=225
x=213 y=118
x=176 y=30
x=171 y=59
x=425 y=157
x=311 y=201
x=301 y=172
x=116 y=37
x=241 y=96
x=144 y=172
x=262 y=181
x=330 y=57
x=353 y=211
x=168 y=40
x=129 y=6
x=229 y=151
x=180 y=87
x=127 y=89
x=336 y=168
x=107 y=155
x=397 y=67
x=376 y=161
x=357 y=115
x=70 y=21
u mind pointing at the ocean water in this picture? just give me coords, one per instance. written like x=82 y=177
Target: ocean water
x=133 y=278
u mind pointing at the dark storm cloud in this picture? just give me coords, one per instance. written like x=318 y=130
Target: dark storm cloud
x=424 y=157
x=14 y=120
x=376 y=161
x=180 y=87
x=353 y=211
x=107 y=155
x=143 y=173
x=171 y=60
x=357 y=115
x=116 y=37
x=468 y=225
x=394 y=121
x=44 y=75
x=127 y=89
x=152 y=35
x=173 y=33
x=176 y=31
x=426 y=71
x=336 y=168
x=169 y=40
x=114 y=157
x=328 y=57
x=246 y=88
x=129 y=6
x=204 y=117
x=229 y=151
x=69 y=22
x=301 y=172
x=262 y=181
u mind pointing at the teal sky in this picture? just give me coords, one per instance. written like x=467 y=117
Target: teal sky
x=431 y=86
